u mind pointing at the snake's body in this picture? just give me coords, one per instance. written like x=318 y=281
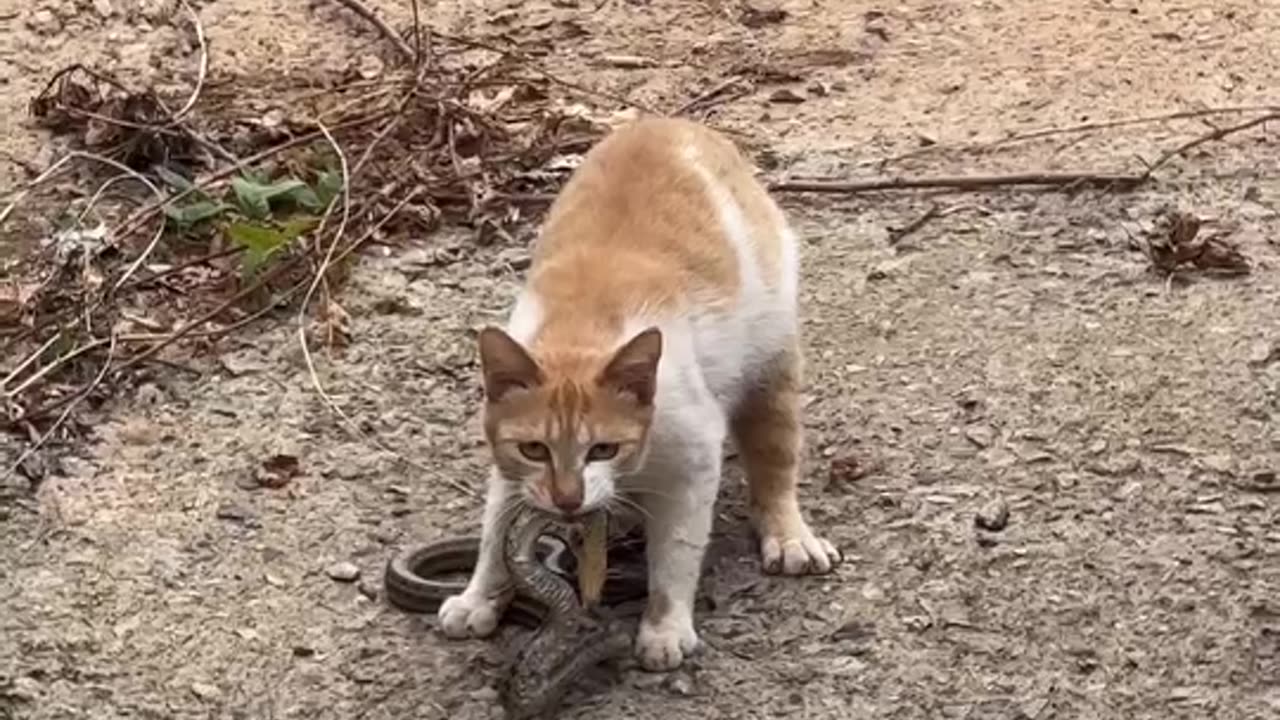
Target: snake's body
x=571 y=639
x=567 y=639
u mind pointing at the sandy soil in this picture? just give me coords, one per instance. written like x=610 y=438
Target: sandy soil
x=1014 y=350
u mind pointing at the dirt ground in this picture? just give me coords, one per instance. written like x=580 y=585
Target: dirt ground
x=1014 y=350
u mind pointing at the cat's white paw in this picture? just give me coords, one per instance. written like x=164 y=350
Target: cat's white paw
x=798 y=552
x=664 y=644
x=469 y=615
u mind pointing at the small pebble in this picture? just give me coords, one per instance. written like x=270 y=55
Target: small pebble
x=343 y=571
x=368 y=589
x=980 y=435
x=204 y=691
x=994 y=516
x=680 y=684
x=786 y=96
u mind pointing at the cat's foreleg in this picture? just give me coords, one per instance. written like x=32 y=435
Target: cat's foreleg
x=679 y=513
x=475 y=612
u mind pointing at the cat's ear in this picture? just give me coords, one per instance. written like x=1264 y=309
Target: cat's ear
x=634 y=367
x=505 y=364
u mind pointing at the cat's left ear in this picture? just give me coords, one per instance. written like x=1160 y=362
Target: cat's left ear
x=634 y=367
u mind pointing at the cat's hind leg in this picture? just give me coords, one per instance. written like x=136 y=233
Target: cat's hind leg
x=768 y=432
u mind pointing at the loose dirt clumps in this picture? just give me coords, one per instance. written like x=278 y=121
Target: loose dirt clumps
x=1048 y=452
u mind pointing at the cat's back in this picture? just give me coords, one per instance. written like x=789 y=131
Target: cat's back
x=662 y=214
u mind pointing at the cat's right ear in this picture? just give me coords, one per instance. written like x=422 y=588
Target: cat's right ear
x=506 y=365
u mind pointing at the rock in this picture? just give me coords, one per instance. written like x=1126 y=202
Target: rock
x=1263 y=481
x=103 y=8
x=371 y=66
x=980 y=435
x=368 y=589
x=786 y=96
x=343 y=571
x=44 y=22
x=994 y=516
x=236 y=513
x=485 y=694
x=680 y=684
x=517 y=259
x=205 y=691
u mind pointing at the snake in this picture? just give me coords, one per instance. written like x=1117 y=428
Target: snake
x=567 y=638
x=571 y=640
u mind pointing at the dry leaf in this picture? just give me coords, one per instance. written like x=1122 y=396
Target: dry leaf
x=593 y=559
x=277 y=470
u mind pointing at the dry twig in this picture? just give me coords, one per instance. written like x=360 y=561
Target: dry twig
x=973 y=182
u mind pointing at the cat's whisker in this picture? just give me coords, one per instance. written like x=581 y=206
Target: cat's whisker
x=651 y=491
x=626 y=504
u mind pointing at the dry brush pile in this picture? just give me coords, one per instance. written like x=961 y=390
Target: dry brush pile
x=165 y=230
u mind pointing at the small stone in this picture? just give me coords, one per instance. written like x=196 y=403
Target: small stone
x=1221 y=464
x=343 y=571
x=205 y=691
x=236 y=513
x=680 y=684
x=786 y=96
x=302 y=651
x=994 y=516
x=371 y=67
x=1264 y=481
x=629 y=62
x=103 y=8
x=368 y=589
x=517 y=259
x=980 y=435
x=485 y=694
x=44 y=22
x=149 y=394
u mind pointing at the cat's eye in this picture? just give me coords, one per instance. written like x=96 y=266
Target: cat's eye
x=535 y=451
x=602 y=451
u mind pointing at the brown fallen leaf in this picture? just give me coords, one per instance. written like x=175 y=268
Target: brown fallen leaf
x=1178 y=242
x=593 y=559
x=847 y=469
x=277 y=470
x=754 y=18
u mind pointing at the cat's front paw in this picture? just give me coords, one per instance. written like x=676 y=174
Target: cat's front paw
x=663 y=644
x=795 y=550
x=470 y=615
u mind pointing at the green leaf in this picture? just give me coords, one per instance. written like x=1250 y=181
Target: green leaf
x=174 y=180
x=197 y=212
x=254 y=198
x=328 y=185
x=259 y=242
x=306 y=197
x=297 y=225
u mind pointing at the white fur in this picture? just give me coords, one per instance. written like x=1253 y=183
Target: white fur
x=710 y=358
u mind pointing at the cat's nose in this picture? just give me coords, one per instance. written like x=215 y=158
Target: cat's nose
x=567 y=500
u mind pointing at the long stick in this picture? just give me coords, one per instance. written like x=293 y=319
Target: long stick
x=960 y=182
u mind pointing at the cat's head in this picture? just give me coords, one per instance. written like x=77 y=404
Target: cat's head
x=567 y=424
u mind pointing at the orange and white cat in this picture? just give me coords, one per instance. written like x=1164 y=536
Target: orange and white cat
x=659 y=316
